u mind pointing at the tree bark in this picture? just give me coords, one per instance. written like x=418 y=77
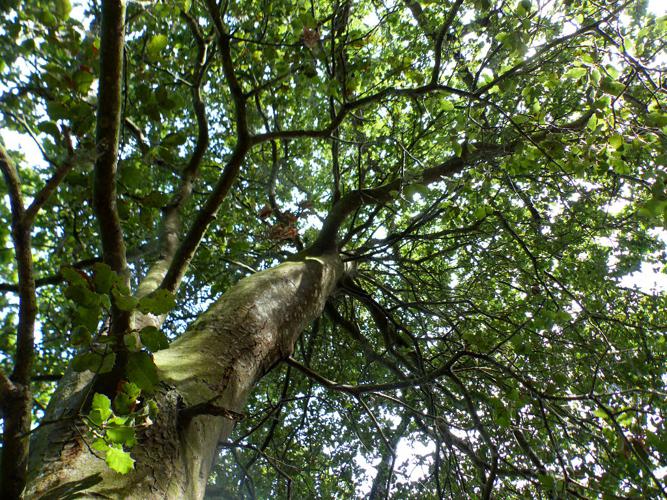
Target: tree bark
x=213 y=367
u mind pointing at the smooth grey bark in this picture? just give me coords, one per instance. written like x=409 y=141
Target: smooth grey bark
x=216 y=362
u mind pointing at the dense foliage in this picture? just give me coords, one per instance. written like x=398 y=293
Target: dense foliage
x=517 y=151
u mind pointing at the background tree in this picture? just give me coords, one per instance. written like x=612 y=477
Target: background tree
x=428 y=210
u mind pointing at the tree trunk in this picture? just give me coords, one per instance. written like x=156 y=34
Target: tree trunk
x=214 y=365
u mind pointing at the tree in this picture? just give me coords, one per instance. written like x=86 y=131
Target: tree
x=269 y=241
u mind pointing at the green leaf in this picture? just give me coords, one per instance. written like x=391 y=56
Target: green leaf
x=88 y=317
x=123 y=404
x=596 y=76
x=153 y=338
x=612 y=87
x=480 y=212
x=103 y=277
x=83 y=80
x=523 y=7
x=119 y=460
x=131 y=341
x=616 y=141
x=121 y=435
x=141 y=370
x=102 y=403
x=146 y=217
x=126 y=400
x=503 y=419
x=132 y=177
x=547 y=481
x=155 y=199
x=656 y=119
x=559 y=379
x=592 y=122
x=446 y=105
x=49 y=127
x=81 y=362
x=575 y=73
x=94 y=362
x=100 y=409
x=86 y=361
x=62 y=9
x=74 y=276
x=159 y=302
x=155 y=46
x=122 y=299
x=80 y=336
x=118 y=420
x=658 y=441
x=107 y=363
x=100 y=445
x=153 y=409
x=131 y=390
x=175 y=139
x=82 y=295
x=600 y=413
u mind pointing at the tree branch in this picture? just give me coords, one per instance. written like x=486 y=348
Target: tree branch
x=7 y=388
x=539 y=51
x=45 y=193
x=109 y=105
x=47 y=377
x=171 y=216
x=364 y=388
x=207 y=213
x=51 y=280
x=348 y=107
x=387 y=192
x=356 y=334
x=208 y=408
x=440 y=37
x=108 y=127
x=48 y=189
x=17 y=409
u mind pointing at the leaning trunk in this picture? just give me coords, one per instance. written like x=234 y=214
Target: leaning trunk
x=212 y=367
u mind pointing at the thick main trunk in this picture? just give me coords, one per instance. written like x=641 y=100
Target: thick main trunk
x=217 y=362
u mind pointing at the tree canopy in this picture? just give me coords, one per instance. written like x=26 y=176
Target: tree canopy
x=488 y=171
